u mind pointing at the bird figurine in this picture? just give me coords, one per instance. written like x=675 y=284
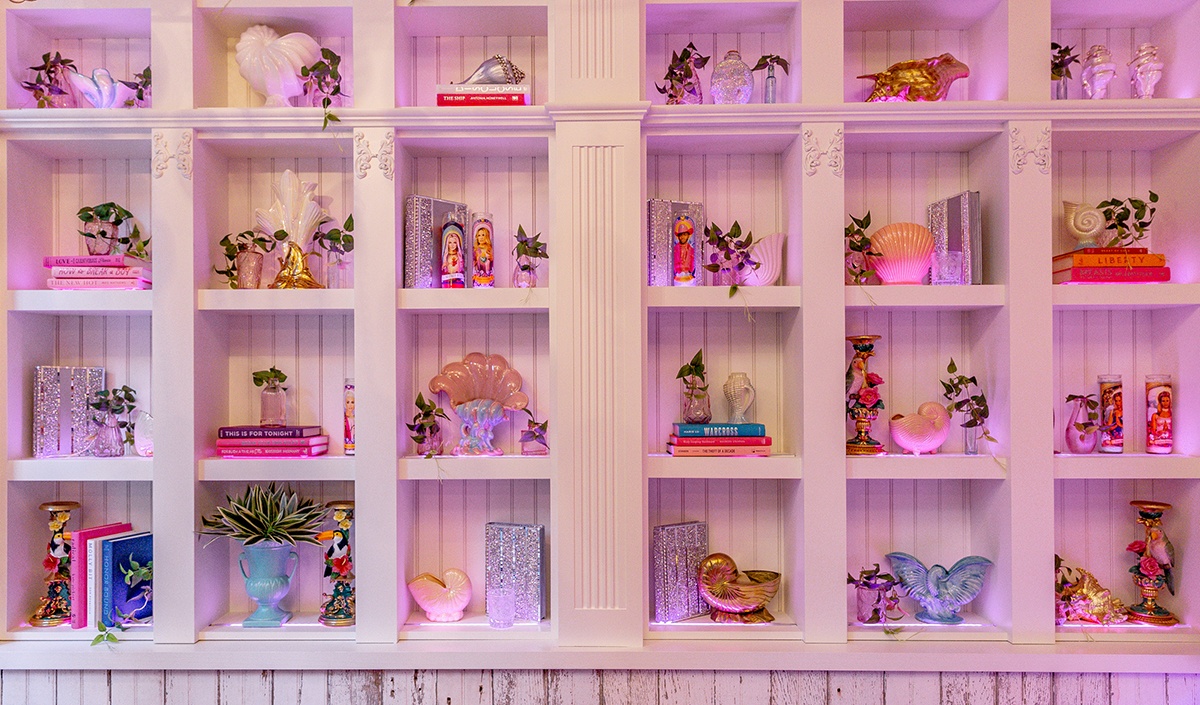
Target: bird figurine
x=271 y=64
x=924 y=431
x=734 y=598
x=856 y=373
x=917 y=80
x=940 y=592
x=1162 y=550
x=101 y=90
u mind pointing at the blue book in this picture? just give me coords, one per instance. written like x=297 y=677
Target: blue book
x=126 y=580
x=701 y=430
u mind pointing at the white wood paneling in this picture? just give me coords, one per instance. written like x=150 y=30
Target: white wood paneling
x=897 y=187
x=1093 y=176
x=747 y=188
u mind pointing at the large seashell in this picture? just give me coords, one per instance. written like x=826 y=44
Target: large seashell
x=924 y=431
x=271 y=64
x=768 y=252
x=1084 y=223
x=1098 y=71
x=497 y=69
x=295 y=210
x=101 y=90
x=482 y=388
x=443 y=600
x=906 y=253
x=736 y=598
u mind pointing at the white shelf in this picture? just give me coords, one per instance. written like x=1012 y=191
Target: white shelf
x=303 y=626
x=94 y=302
x=64 y=633
x=130 y=468
x=1125 y=632
x=972 y=628
x=536 y=300
x=702 y=627
x=772 y=467
x=940 y=466
x=503 y=467
x=1126 y=466
x=322 y=467
x=756 y=298
x=276 y=300
x=473 y=626
x=1125 y=296
x=941 y=298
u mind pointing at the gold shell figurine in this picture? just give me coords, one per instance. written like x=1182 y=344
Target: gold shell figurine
x=737 y=599
x=917 y=80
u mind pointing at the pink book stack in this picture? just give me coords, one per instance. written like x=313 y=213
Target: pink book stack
x=271 y=442
x=97 y=272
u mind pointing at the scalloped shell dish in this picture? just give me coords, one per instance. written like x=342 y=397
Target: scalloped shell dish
x=443 y=600
x=482 y=388
x=768 y=252
x=906 y=251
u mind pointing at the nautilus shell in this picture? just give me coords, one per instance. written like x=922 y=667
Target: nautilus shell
x=906 y=253
x=271 y=64
x=768 y=252
x=737 y=598
x=443 y=600
x=1084 y=223
x=101 y=90
x=922 y=432
x=497 y=69
x=481 y=389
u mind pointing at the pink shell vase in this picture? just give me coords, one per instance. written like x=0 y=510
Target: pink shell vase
x=482 y=388
x=442 y=599
x=906 y=253
x=922 y=432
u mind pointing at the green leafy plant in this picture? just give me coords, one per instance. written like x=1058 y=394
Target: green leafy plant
x=51 y=78
x=680 y=71
x=694 y=383
x=120 y=401
x=107 y=635
x=885 y=584
x=530 y=248
x=425 y=421
x=732 y=252
x=1128 y=219
x=131 y=243
x=771 y=60
x=245 y=241
x=1090 y=404
x=975 y=406
x=1061 y=60
x=267 y=376
x=271 y=514
x=141 y=88
x=858 y=262
x=324 y=80
x=339 y=241
x=535 y=432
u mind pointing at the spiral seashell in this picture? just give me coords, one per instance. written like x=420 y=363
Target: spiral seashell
x=443 y=600
x=906 y=253
x=271 y=64
x=736 y=598
x=768 y=252
x=497 y=69
x=1084 y=223
x=924 y=431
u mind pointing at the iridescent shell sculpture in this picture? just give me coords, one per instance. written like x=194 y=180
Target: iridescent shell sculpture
x=917 y=80
x=924 y=431
x=297 y=213
x=1084 y=223
x=906 y=253
x=496 y=70
x=1098 y=71
x=271 y=64
x=101 y=90
x=442 y=599
x=737 y=598
x=940 y=592
x=768 y=252
x=482 y=389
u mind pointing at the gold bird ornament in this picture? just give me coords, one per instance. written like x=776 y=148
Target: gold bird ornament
x=919 y=80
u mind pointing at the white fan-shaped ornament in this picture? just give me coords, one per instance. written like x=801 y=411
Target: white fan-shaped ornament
x=442 y=599
x=906 y=253
x=295 y=210
x=768 y=252
x=101 y=90
x=1084 y=223
x=271 y=64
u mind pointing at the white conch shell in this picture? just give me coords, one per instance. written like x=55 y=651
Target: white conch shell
x=271 y=64
x=295 y=210
x=101 y=90
x=1084 y=223
x=1098 y=71
x=906 y=253
x=1145 y=71
x=768 y=252
x=924 y=431
x=496 y=70
x=443 y=600
x=481 y=376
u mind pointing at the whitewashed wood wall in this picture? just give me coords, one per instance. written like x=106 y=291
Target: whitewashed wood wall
x=605 y=687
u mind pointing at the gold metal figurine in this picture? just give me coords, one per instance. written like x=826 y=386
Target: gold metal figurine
x=917 y=80
x=293 y=270
x=737 y=599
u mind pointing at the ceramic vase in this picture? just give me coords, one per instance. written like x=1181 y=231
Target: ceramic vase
x=271 y=64
x=110 y=438
x=740 y=395
x=443 y=599
x=268 y=579
x=482 y=389
x=732 y=81
x=249 y=269
x=1080 y=442
x=768 y=252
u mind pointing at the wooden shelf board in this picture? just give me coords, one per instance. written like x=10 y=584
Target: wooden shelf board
x=449 y=467
x=64 y=632
x=1125 y=632
x=756 y=298
x=276 y=300
x=941 y=466
x=94 y=302
x=1126 y=466
x=783 y=628
x=130 y=468
x=1124 y=296
x=303 y=626
x=775 y=467
x=507 y=300
x=473 y=626
x=322 y=467
x=972 y=628
x=942 y=298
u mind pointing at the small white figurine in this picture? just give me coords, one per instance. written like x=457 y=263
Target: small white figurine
x=271 y=64
x=101 y=90
x=1098 y=70
x=1145 y=71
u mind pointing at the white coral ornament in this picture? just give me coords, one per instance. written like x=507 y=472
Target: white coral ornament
x=271 y=63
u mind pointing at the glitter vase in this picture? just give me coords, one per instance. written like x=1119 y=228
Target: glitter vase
x=249 y=269
x=731 y=80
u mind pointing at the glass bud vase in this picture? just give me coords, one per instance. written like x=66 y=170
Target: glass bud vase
x=249 y=269
x=769 y=86
x=110 y=438
x=970 y=441
x=105 y=237
x=1060 y=88
x=732 y=81
x=525 y=273
x=273 y=410
x=432 y=445
x=697 y=408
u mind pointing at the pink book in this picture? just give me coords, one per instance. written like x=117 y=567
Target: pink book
x=274 y=452
x=272 y=442
x=720 y=441
x=718 y=451
x=105 y=283
x=93 y=261
x=79 y=593
x=1112 y=275
x=102 y=272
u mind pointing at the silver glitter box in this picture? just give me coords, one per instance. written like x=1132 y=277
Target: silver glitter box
x=515 y=559
x=675 y=554
x=422 y=221
x=660 y=238
x=61 y=416
x=957 y=227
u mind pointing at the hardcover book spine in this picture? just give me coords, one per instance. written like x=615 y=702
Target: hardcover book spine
x=272 y=442
x=719 y=429
x=1104 y=251
x=105 y=578
x=275 y=452
x=88 y=261
x=720 y=441
x=298 y=432
x=482 y=99
x=106 y=283
x=718 y=451
x=1113 y=275
x=1114 y=260
x=100 y=272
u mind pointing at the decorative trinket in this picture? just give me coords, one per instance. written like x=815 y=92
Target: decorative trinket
x=1145 y=71
x=55 y=607
x=1081 y=598
x=905 y=253
x=348 y=407
x=62 y=419
x=676 y=248
x=1098 y=71
x=876 y=598
x=443 y=599
x=676 y=552
x=940 y=592
x=495 y=70
x=1155 y=566
x=732 y=81
x=423 y=217
x=1083 y=428
x=338 y=609
x=295 y=212
x=1112 y=414
x=740 y=395
x=1084 y=223
x=957 y=229
x=768 y=253
x=271 y=64
x=102 y=90
x=482 y=389
x=453 y=260
x=917 y=80
x=924 y=431
x=863 y=402
x=1159 y=438
x=483 y=258
x=736 y=598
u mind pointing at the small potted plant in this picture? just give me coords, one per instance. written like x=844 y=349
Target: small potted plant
x=1061 y=59
x=268 y=522
x=1129 y=219
x=336 y=241
x=527 y=250
x=1084 y=426
x=974 y=407
x=696 y=405
x=683 y=83
x=731 y=261
x=323 y=84
x=273 y=411
x=533 y=438
x=858 y=251
x=426 y=431
x=51 y=86
x=877 y=599
x=141 y=89
x=769 y=62
x=244 y=254
x=113 y=431
x=102 y=231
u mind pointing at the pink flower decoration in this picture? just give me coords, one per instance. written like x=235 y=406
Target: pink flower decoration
x=341 y=565
x=50 y=562
x=1149 y=567
x=868 y=396
x=873 y=379
x=1137 y=547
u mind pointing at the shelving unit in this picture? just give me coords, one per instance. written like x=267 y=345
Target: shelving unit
x=598 y=349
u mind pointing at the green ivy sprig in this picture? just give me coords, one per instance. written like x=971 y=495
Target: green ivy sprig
x=425 y=421
x=1118 y=214
x=1093 y=416
x=958 y=390
x=51 y=78
x=732 y=252
x=120 y=401
x=682 y=69
x=325 y=80
x=857 y=241
x=535 y=432
x=693 y=377
x=1061 y=60
x=529 y=247
x=140 y=86
x=339 y=241
x=244 y=241
x=771 y=60
x=130 y=244
x=267 y=376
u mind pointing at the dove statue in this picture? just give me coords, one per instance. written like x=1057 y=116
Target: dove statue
x=940 y=592
x=101 y=89
x=271 y=64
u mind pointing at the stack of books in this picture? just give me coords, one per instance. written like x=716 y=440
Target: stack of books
x=111 y=579
x=97 y=272
x=271 y=441
x=696 y=440
x=1110 y=265
x=482 y=94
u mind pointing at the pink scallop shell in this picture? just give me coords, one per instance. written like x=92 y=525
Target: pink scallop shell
x=906 y=251
x=480 y=376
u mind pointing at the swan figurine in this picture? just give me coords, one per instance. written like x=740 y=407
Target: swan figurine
x=101 y=89
x=271 y=64
x=924 y=431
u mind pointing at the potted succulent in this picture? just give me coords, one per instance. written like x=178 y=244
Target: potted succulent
x=877 y=599
x=683 y=83
x=696 y=405
x=273 y=409
x=51 y=86
x=323 y=84
x=426 y=431
x=268 y=522
x=1118 y=214
x=102 y=231
x=113 y=432
x=533 y=438
x=527 y=250
x=1083 y=428
x=769 y=62
x=858 y=250
x=244 y=254
x=974 y=407
x=731 y=260
x=1061 y=59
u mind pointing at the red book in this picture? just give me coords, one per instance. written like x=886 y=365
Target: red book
x=274 y=452
x=720 y=441
x=79 y=592
x=1112 y=275
x=482 y=99
x=105 y=283
x=101 y=272
x=94 y=261
x=711 y=451
x=1103 y=251
x=272 y=442
x=268 y=431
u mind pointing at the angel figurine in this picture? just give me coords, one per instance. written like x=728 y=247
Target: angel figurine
x=940 y=592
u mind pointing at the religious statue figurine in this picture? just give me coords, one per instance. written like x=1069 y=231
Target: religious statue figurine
x=482 y=256
x=1098 y=70
x=1145 y=71
x=1159 y=437
x=686 y=263
x=1112 y=414
x=454 y=264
